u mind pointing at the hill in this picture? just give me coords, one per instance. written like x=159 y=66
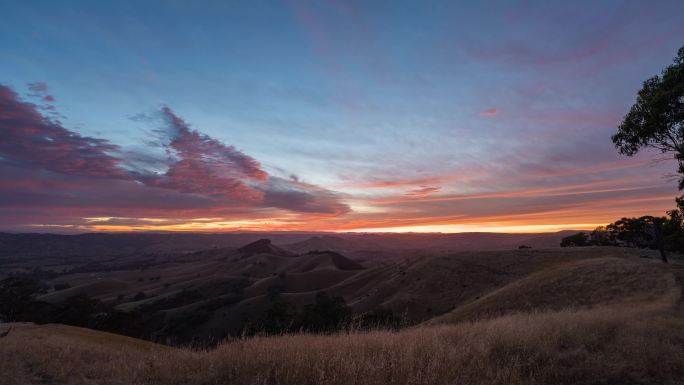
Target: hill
x=194 y=297
x=262 y=246
x=432 y=285
x=351 y=243
x=581 y=316
x=36 y=245
x=206 y=296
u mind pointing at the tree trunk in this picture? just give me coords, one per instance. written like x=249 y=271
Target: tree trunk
x=659 y=241
x=662 y=253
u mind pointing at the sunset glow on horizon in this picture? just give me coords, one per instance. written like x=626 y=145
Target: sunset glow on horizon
x=328 y=116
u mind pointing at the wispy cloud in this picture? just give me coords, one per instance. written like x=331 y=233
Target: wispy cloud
x=489 y=112
x=292 y=194
x=423 y=191
x=29 y=139
x=199 y=164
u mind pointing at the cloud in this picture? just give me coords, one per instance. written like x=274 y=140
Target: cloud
x=49 y=173
x=423 y=191
x=291 y=194
x=38 y=88
x=489 y=112
x=203 y=165
x=199 y=164
x=33 y=140
x=122 y=221
x=375 y=183
x=51 y=176
x=595 y=48
x=191 y=145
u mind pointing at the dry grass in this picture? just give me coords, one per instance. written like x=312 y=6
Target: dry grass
x=600 y=346
x=633 y=334
x=576 y=284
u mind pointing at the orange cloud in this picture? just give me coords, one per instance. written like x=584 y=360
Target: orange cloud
x=423 y=191
x=380 y=184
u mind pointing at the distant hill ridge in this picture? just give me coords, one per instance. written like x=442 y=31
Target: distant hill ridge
x=339 y=260
x=35 y=244
x=262 y=246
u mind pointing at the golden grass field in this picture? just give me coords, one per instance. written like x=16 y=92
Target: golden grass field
x=632 y=333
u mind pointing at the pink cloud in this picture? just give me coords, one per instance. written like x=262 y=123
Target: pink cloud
x=202 y=165
x=393 y=183
x=40 y=90
x=489 y=112
x=52 y=171
x=31 y=139
x=294 y=195
x=423 y=191
x=38 y=87
x=196 y=147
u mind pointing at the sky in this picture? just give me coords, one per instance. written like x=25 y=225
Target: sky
x=330 y=115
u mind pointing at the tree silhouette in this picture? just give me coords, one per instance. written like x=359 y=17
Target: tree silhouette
x=576 y=240
x=656 y=120
x=643 y=232
x=17 y=295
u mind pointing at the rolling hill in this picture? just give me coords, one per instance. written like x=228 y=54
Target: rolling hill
x=512 y=317
x=212 y=294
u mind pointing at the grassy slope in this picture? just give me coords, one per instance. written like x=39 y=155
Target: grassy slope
x=574 y=284
x=432 y=285
x=602 y=316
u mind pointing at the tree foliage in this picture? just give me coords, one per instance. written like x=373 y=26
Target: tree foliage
x=19 y=303
x=656 y=120
x=576 y=240
x=647 y=232
x=17 y=294
x=327 y=314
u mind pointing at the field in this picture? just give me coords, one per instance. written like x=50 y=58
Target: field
x=552 y=316
x=603 y=346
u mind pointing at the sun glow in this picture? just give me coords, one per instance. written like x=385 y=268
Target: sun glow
x=484 y=228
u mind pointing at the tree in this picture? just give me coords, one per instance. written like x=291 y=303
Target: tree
x=673 y=231
x=379 y=318
x=17 y=294
x=328 y=314
x=655 y=226
x=602 y=237
x=278 y=320
x=61 y=286
x=642 y=232
x=140 y=296
x=630 y=232
x=577 y=240
x=273 y=291
x=656 y=120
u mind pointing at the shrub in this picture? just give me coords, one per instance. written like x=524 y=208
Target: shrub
x=577 y=240
x=61 y=286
